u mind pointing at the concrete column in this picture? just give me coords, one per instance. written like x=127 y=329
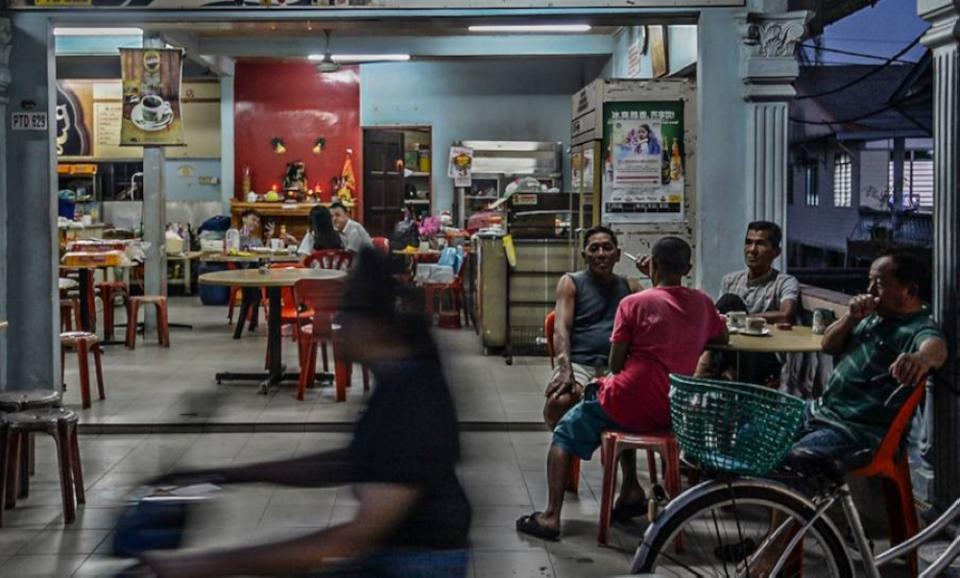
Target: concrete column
x=227 y=185
x=943 y=39
x=154 y=219
x=31 y=252
x=6 y=36
x=768 y=68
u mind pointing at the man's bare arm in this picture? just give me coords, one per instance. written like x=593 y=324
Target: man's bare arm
x=562 y=328
x=618 y=355
x=786 y=314
x=836 y=337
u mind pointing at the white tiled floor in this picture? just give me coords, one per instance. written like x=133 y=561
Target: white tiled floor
x=153 y=386
x=502 y=473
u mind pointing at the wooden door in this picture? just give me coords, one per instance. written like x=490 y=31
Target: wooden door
x=382 y=181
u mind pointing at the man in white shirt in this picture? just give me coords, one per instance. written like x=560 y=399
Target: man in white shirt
x=354 y=236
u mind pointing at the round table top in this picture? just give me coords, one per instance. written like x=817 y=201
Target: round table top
x=271 y=278
x=254 y=258
x=797 y=340
x=65 y=284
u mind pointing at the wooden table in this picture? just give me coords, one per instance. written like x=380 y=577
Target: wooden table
x=254 y=258
x=187 y=259
x=797 y=340
x=273 y=280
x=88 y=318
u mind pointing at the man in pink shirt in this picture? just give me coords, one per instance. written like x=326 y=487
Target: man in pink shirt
x=657 y=332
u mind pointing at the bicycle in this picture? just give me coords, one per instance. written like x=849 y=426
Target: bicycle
x=741 y=519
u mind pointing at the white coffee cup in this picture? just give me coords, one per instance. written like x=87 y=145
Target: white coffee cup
x=155 y=109
x=276 y=244
x=737 y=319
x=756 y=324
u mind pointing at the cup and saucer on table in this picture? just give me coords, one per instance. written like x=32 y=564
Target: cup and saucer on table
x=152 y=113
x=741 y=323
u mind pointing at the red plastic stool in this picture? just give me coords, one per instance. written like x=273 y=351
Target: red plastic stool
x=83 y=343
x=109 y=291
x=615 y=443
x=163 y=327
x=69 y=314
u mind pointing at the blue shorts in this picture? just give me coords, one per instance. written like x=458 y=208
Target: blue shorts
x=580 y=430
x=404 y=564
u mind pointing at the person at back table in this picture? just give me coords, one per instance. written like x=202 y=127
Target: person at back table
x=657 y=332
x=322 y=233
x=586 y=306
x=761 y=291
x=352 y=233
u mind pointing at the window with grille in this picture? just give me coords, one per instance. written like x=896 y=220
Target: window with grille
x=811 y=194
x=917 y=180
x=842 y=180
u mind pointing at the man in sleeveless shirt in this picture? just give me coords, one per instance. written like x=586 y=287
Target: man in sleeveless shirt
x=659 y=331
x=586 y=306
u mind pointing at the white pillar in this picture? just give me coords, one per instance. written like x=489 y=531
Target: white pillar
x=154 y=219
x=943 y=39
x=768 y=68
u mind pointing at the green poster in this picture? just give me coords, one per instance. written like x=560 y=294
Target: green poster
x=643 y=176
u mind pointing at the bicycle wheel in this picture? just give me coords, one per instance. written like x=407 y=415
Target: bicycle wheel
x=720 y=525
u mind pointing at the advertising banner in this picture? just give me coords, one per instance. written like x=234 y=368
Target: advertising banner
x=643 y=176
x=151 y=114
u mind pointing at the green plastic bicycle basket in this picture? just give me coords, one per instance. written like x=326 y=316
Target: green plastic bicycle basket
x=733 y=427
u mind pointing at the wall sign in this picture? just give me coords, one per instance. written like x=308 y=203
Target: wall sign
x=28 y=121
x=151 y=97
x=361 y=4
x=644 y=165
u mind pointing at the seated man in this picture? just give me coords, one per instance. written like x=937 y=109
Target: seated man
x=352 y=234
x=886 y=339
x=586 y=306
x=657 y=332
x=761 y=291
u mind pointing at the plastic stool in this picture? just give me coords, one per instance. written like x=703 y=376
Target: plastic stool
x=59 y=423
x=108 y=293
x=163 y=327
x=615 y=443
x=83 y=343
x=69 y=314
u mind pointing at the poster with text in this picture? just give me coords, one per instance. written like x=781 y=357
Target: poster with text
x=643 y=172
x=151 y=97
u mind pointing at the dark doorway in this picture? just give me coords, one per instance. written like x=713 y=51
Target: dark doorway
x=393 y=176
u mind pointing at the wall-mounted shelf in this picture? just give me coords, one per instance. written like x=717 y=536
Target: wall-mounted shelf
x=415 y=175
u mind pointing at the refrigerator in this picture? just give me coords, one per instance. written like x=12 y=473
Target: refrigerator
x=632 y=148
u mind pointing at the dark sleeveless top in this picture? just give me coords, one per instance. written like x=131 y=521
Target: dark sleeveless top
x=594 y=311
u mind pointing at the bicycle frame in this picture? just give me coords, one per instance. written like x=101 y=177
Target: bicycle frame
x=871 y=564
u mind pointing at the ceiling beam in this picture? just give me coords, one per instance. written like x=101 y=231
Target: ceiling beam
x=221 y=65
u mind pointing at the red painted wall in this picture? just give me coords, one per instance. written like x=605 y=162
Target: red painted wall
x=292 y=101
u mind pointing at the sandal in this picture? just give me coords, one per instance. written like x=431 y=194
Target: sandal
x=623 y=514
x=529 y=525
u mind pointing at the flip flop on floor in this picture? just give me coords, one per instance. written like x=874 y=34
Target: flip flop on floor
x=529 y=525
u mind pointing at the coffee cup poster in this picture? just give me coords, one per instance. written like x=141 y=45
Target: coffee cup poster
x=643 y=156
x=151 y=97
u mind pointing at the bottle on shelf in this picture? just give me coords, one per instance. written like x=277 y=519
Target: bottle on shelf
x=423 y=159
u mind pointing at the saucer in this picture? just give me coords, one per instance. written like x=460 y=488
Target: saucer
x=136 y=116
x=745 y=331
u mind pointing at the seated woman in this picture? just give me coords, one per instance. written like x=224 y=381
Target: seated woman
x=413 y=515
x=322 y=234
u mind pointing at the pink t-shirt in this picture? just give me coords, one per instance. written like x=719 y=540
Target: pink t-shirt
x=666 y=329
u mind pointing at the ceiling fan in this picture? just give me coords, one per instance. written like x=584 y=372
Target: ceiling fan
x=328 y=64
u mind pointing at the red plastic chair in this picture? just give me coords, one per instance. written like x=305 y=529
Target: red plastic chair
x=381 y=244
x=336 y=259
x=322 y=298
x=891 y=464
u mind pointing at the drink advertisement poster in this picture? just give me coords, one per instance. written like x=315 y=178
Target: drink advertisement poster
x=151 y=97
x=643 y=164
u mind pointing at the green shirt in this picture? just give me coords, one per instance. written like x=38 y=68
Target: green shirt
x=861 y=382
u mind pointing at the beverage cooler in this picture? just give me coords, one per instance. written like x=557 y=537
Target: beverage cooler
x=632 y=148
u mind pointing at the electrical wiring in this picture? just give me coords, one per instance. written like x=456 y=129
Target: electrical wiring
x=887 y=62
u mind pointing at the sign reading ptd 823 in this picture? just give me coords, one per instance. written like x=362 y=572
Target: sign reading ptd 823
x=28 y=121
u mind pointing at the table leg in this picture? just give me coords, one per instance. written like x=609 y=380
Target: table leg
x=87 y=321
x=187 y=275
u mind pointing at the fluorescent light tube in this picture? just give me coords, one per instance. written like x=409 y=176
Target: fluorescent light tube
x=98 y=32
x=348 y=58
x=532 y=28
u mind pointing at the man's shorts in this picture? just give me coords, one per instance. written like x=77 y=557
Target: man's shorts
x=582 y=374
x=580 y=430
x=822 y=440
